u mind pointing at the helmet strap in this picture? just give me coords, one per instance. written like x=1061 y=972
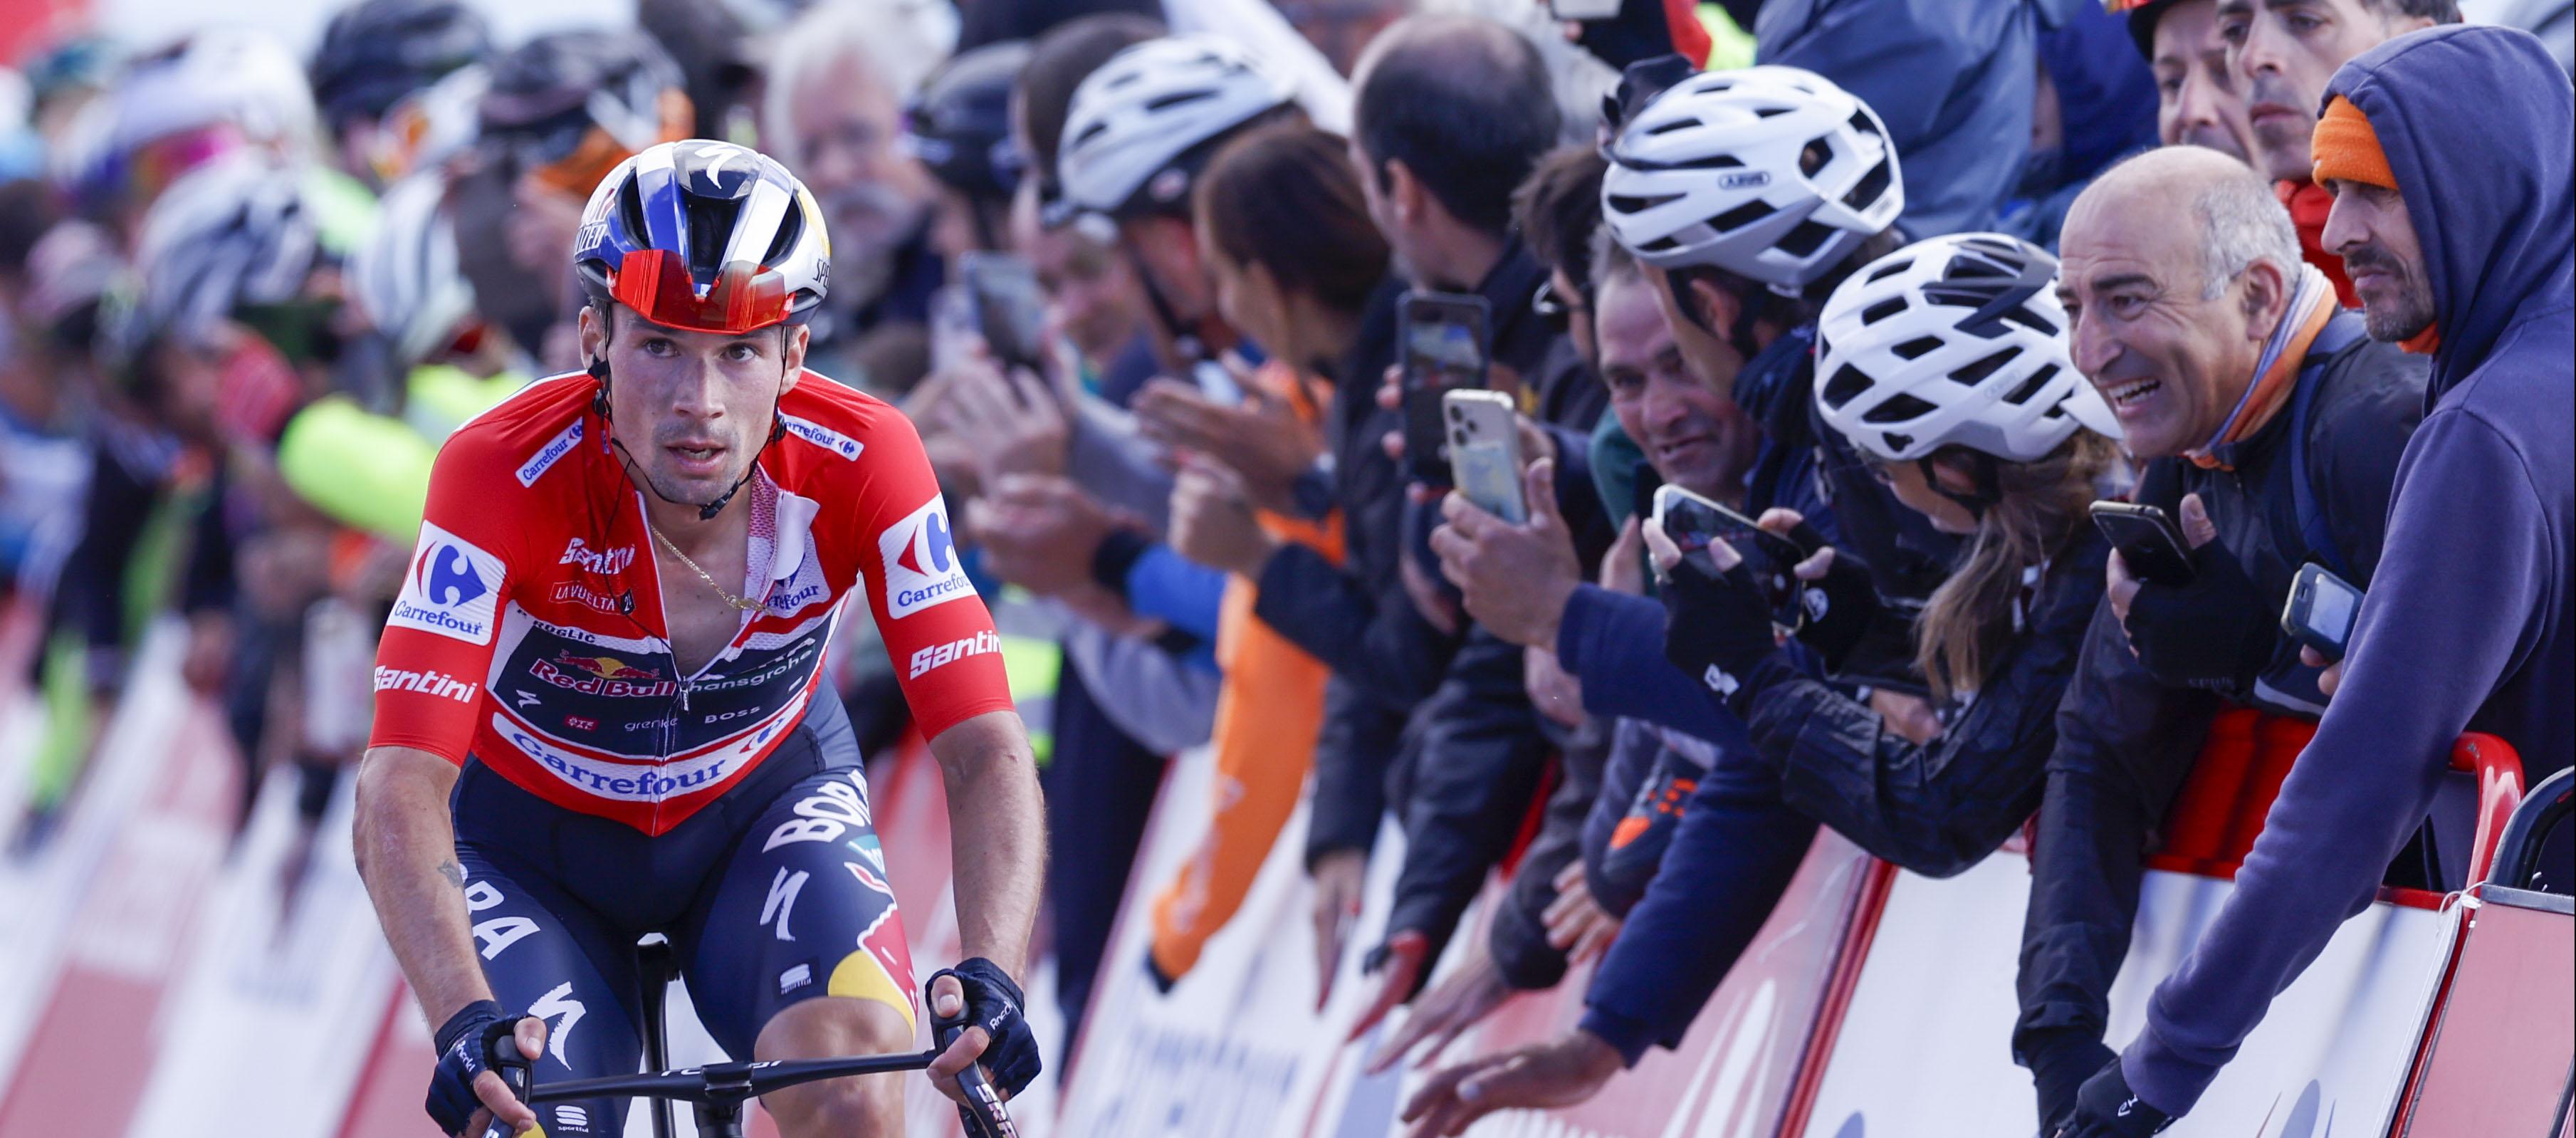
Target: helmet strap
x=1983 y=468
x=707 y=510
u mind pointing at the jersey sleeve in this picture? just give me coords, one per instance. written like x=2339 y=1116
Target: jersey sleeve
x=937 y=633
x=439 y=638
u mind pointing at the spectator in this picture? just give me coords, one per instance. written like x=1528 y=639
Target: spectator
x=959 y=126
x=375 y=54
x=2448 y=155
x=833 y=112
x=1341 y=29
x=2199 y=99
x=1092 y=297
x=2284 y=56
x=1058 y=63
x=2093 y=104
x=2270 y=427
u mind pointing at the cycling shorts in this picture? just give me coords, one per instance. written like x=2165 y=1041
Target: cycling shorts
x=770 y=895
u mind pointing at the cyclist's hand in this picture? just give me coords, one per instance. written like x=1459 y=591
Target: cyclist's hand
x=466 y=1092
x=982 y=999
x=1398 y=967
x=1560 y=1072
x=1448 y=1009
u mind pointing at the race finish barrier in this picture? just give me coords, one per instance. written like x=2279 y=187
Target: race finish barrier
x=1920 y=1045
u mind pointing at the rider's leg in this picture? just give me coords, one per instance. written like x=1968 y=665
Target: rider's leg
x=552 y=958
x=800 y=954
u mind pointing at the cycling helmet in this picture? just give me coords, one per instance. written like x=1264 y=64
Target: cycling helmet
x=220 y=76
x=1954 y=341
x=569 y=106
x=1771 y=173
x=704 y=235
x=235 y=231
x=960 y=124
x=378 y=51
x=1140 y=124
x=431 y=125
x=405 y=279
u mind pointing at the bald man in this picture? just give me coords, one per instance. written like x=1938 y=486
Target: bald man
x=2269 y=427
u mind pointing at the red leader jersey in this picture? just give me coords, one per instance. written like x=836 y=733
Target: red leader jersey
x=529 y=631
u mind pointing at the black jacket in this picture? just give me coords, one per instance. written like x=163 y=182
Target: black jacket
x=2126 y=742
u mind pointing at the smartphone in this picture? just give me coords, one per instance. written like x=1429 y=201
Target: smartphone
x=1577 y=11
x=1444 y=349
x=1008 y=306
x=1215 y=382
x=2321 y=611
x=2147 y=541
x=1485 y=451
x=1695 y=522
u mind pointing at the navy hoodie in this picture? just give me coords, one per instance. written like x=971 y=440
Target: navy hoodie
x=2467 y=623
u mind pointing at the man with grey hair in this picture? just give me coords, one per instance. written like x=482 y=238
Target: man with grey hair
x=2268 y=425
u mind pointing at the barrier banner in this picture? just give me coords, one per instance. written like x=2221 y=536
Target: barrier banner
x=1925 y=1049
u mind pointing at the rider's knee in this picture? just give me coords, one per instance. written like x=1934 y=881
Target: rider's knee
x=831 y=1026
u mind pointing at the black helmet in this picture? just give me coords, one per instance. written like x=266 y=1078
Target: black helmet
x=959 y=125
x=378 y=51
x=571 y=105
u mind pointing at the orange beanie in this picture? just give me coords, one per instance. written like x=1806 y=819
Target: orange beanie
x=2345 y=148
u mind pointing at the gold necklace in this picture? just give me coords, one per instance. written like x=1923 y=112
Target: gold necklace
x=739 y=603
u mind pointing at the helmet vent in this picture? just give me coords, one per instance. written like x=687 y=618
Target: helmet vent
x=710 y=224
x=1971 y=375
x=2029 y=387
x=1916 y=348
x=1741 y=216
x=1668 y=128
x=1882 y=310
x=1805 y=239
x=1860 y=121
x=1847 y=384
x=630 y=210
x=1770 y=112
x=1712 y=162
x=1177 y=98
x=1899 y=408
x=1888 y=270
x=1626 y=203
x=1865 y=192
x=1813 y=156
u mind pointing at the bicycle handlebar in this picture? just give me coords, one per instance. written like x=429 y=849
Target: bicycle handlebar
x=725 y=1086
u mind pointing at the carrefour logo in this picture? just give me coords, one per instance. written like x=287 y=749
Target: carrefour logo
x=822 y=436
x=452 y=588
x=921 y=567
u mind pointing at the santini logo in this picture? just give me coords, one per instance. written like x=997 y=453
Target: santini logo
x=921 y=567
x=605 y=562
x=941 y=654
x=427 y=683
x=452 y=588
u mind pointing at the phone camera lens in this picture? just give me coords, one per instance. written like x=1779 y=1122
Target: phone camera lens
x=1456 y=415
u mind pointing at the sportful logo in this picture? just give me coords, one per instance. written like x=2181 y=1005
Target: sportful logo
x=605 y=562
x=921 y=567
x=549 y=454
x=427 y=683
x=822 y=436
x=452 y=588
x=940 y=654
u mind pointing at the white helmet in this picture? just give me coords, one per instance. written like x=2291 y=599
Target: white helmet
x=231 y=232
x=405 y=278
x=220 y=75
x=1954 y=341
x=1771 y=173
x=1139 y=115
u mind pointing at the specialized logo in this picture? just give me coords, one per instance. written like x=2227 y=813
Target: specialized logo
x=1719 y=682
x=602 y=676
x=427 y=683
x=921 y=567
x=605 y=562
x=822 y=436
x=953 y=651
x=549 y=454
x=452 y=588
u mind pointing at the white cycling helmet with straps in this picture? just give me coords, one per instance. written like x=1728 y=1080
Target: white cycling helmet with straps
x=1771 y=173
x=1135 y=118
x=234 y=231
x=1954 y=341
x=405 y=278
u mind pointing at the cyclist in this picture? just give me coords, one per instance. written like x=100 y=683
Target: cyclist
x=594 y=710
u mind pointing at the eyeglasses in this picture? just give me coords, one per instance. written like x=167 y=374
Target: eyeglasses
x=1558 y=310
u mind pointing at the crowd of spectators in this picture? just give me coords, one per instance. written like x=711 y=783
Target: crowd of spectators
x=1905 y=286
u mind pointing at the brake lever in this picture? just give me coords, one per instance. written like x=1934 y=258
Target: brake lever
x=515 y=1076
x=982 y=1114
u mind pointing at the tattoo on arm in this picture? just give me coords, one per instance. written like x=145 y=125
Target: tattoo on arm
x=454 y=873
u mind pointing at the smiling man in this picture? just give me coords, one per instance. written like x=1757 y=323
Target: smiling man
x=2283 y=51
x=2269 y=425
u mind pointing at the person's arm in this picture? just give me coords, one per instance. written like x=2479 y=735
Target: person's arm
x=1613 y=642
x=406 y=850
x=997 y=834
x=2473 y=567
x=1480 y=766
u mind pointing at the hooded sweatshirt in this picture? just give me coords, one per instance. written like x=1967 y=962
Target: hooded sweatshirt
x=2467 y=624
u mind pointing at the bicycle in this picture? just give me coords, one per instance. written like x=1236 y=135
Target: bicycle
x=719 y=1091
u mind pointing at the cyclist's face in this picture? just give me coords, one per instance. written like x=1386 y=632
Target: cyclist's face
x=691 y=409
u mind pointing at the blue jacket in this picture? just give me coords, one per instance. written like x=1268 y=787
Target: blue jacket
x=2467 y=625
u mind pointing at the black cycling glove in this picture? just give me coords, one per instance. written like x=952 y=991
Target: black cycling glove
x=2215 y=633
x=994 y=1003
x=1718 y=627
x=2107 y=1108
x=478 y=1038
x=2060 y=1060
x=1840 y=607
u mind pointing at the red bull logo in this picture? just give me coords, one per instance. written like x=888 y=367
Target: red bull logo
x=602 y=675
